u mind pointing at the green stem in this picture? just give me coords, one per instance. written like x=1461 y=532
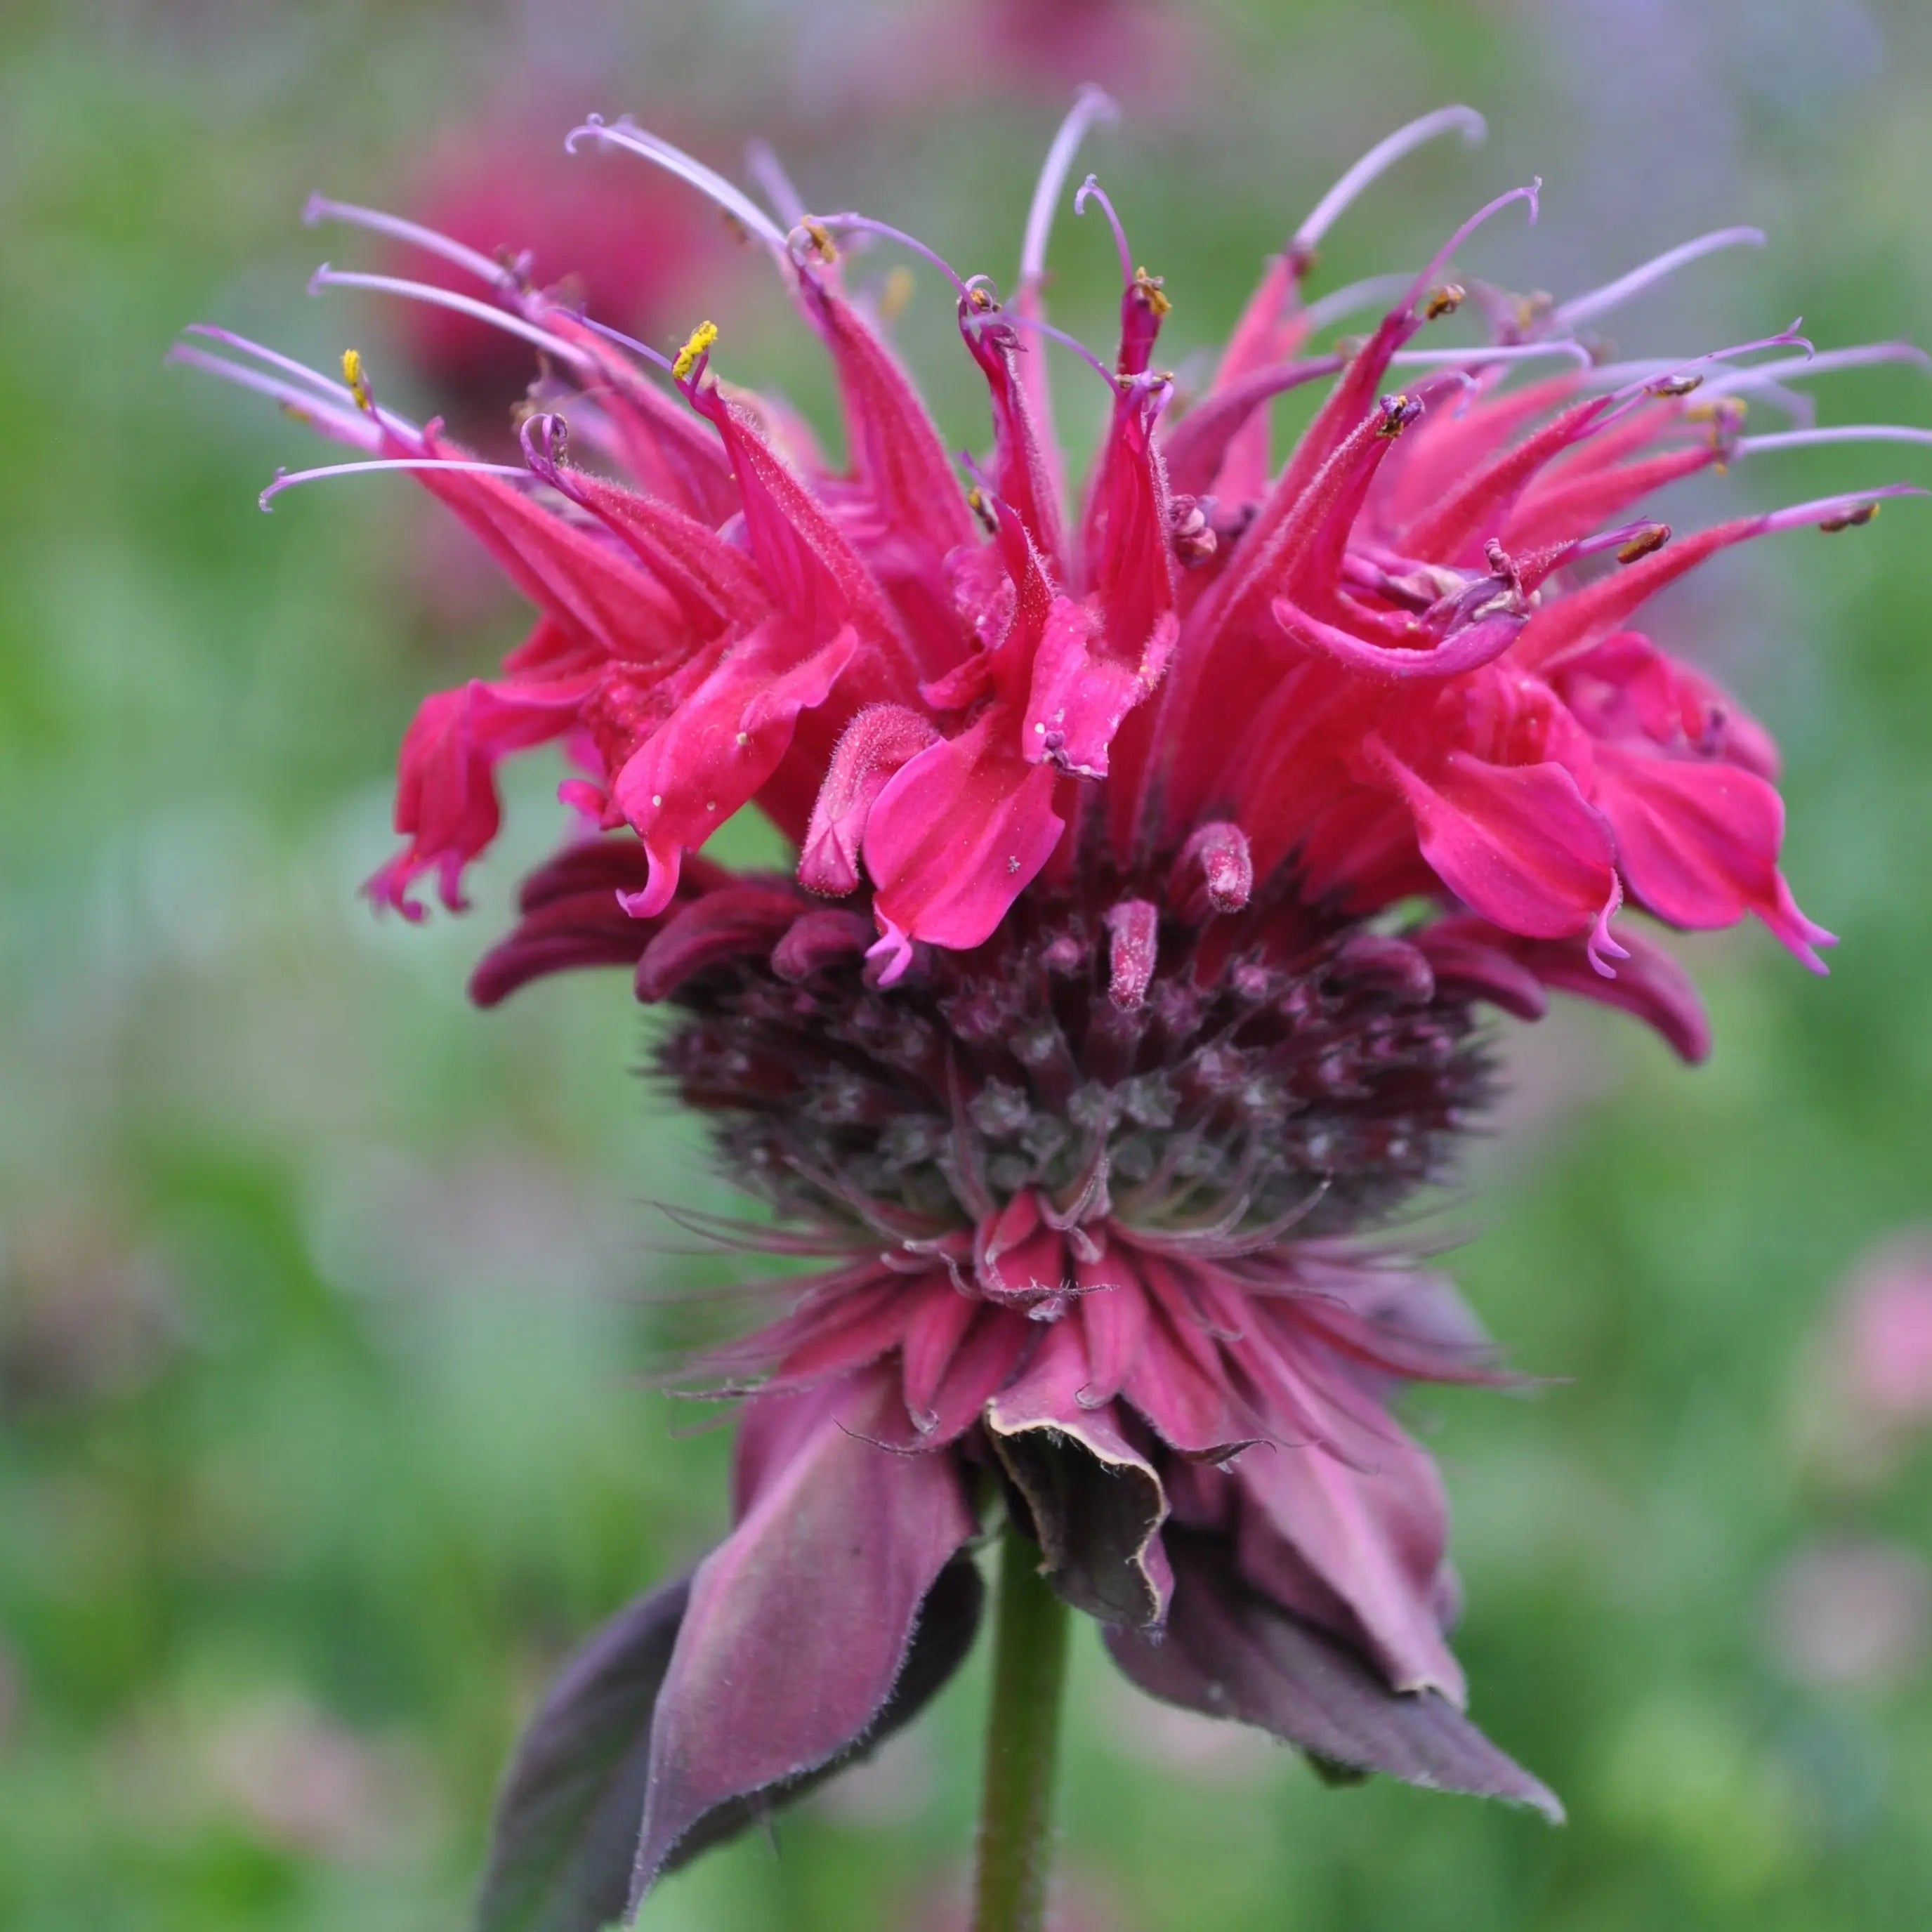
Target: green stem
x=1022 y=1732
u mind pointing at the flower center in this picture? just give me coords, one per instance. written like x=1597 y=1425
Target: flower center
x=1282 y=1067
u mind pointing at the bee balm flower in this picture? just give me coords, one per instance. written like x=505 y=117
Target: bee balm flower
x=1158 y=851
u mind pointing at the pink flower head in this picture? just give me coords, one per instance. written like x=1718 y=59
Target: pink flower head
x=1157 y=847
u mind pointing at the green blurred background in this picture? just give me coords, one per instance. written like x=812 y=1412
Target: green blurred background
x=326 y=1300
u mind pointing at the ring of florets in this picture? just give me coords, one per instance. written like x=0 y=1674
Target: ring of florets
x=1295 y=1070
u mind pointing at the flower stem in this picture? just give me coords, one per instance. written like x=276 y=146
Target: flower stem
x=1022 y=1734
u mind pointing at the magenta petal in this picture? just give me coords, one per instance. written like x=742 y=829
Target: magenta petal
x=1230 y=1653
x=722 y=743
x=1519 y=843
x=800 y=1622
x=1698 y=840
x=1096 y=1504
x=959 y=832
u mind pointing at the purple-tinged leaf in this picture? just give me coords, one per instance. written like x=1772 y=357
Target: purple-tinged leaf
x=800 y=1625
x=567 y=1821
x=566 y=1824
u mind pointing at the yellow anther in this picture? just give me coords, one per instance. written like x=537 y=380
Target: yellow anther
x=1444 y=301
x=696 y=344
x=822 y=243
x=352 y=373
x=1149 y=288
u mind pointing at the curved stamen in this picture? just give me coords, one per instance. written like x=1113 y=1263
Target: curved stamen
x=1643 y=539
x=1849 y=506
x=1444 y=255
x=1596 y=301
x=327 y=278
x=762 y=163
x=344 y=425
x=627 y=134
x=1040 y=327
x=630 y=342
x=320 y=207
x=864 y=224
x=326 y=385
x=288 y=479
x=1375 y=292
x=1090 y=104
x=1806 y=439
x=1490 y=352
x=1681 y=378
x=1090 y=190
x=1383 y=156
x=1860 y=356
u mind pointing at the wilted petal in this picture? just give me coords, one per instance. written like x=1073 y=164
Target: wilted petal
x=1374 y=1535
x=1095 y=1502
x=1230 y=1653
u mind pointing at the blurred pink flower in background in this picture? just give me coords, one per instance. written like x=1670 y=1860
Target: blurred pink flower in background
x=1867 y=1401
x=626 y=245
x=1846 y=1610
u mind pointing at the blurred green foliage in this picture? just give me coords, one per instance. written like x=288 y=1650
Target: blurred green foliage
x=328 y=1302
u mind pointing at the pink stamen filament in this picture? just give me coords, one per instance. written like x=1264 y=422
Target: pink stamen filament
x=1806 y=439
x=326 y=385
x=1444 y=256
x=630 y=342
x=1634 y=395
x=1822 y=509
x=1616 y=539
x=1861 y=356
x=1516 y=352
x=1597 y=302
x=1053 y=334
x=345 y=425
x=1375 y=292
x=327 y=278
x=850 y=223
x=287 y=480
x=320 y=208
x=1383 y=156
x=1090 y=105
x=1090 y=190
x=625 y=133
x=765 y=168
